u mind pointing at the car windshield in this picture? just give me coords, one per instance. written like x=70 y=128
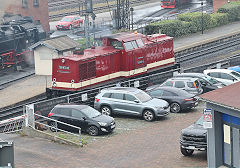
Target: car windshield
x=66 y=19
x=236 y=74
x=210 y=79
x=143 y=97
x=90 y=112
x=200 y=121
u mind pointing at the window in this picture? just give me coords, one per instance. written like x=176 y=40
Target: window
x=167 y=93
x=140 y=43
x=190 y=84
x=214 y=74
x=143 y=97
x=168 y=83
x=134 y=44
x=35 y=3
x=117 y=45
x=179 y=84
x=129 y=97
x=156 y=92
x=106 y=95
x=128 y=46
x=62 y=111
x=117 y=96
x=236 y=74
x=226 y=76
x=24 y=3
x=77 y=114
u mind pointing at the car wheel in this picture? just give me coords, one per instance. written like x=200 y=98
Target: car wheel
x=186 y=152
x=52 y=126
x=175 y=107
x=148 y=115
x=70 y=27
x=93 y=130
x=106 y=110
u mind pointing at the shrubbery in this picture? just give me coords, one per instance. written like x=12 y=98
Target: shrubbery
x=188 y=23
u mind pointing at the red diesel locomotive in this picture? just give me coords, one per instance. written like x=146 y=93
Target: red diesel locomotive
x=120 y=56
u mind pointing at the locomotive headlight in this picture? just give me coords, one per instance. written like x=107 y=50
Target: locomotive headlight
x=72 y=83
x=54 y=84
x=63 y=60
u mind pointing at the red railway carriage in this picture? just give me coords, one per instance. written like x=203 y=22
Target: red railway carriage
x=173 y=3
x=123 y=55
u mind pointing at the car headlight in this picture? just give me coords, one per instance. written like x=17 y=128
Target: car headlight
x=102 y=123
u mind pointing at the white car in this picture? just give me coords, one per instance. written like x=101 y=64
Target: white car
x=225 y=76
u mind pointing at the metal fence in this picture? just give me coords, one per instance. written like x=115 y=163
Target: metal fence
x=42 y=123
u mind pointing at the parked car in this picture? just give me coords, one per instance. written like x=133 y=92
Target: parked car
x=69 y=22
x=226 y=76
x=193 y=138
x=177 y=98
x=207 y=82
x=191 y=85
x=235 y=68
x=130 y=101
x=83 y=116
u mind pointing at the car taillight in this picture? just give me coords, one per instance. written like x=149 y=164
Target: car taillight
x=190 y=99
x=97 y=100
x=50 y=114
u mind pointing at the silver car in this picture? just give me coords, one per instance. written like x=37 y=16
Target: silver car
x=130 y=101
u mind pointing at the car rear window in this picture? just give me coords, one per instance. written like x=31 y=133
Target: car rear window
x=62 y=111
x=117 y=96
x=106 y=95
x=168 y=83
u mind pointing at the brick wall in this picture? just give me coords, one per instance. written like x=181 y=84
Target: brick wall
x=218 y=3
x=39 y=12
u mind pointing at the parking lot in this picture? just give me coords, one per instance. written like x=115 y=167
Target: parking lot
x=134 y=143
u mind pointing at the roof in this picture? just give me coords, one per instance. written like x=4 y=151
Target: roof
x=121 y=89
x=125 y=36
x=191 y=74
x=60 y=43
x=218 y=70
x=227 y=96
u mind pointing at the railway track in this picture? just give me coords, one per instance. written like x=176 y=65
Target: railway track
x=197 y=54
x=75 y=7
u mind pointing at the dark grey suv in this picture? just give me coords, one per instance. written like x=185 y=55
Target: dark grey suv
x=130 y=101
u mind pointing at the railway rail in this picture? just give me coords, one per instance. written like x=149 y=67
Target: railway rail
x=194 y=53
x=66 y=4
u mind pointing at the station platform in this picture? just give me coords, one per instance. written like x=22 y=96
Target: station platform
x=36 y=85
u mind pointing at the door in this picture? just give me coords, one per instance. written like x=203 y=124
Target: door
x=231 y=146
x=131 y=106
x=78 y=120
x=116 y=102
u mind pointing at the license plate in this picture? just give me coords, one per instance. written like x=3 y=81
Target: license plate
x=191 y=147
x=112 y=126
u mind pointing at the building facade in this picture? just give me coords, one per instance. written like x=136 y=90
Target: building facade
x=223 y=139
x=38 y=9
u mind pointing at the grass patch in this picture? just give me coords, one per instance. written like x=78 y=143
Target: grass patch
x=72 y=138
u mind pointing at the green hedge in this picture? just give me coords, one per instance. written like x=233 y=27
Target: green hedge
x=232 y=9
x=188 y=23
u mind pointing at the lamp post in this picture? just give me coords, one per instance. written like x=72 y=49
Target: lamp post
x=202 y=15
x=131 y=9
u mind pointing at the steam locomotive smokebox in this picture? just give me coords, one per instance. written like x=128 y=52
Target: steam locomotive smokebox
x=6 y=155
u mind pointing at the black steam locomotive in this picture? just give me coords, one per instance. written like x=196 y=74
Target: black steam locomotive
x=16 y=35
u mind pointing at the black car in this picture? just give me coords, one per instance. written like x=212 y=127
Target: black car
x=208 y=83
x=193 y=138
x=177 y=98
x=83 y=116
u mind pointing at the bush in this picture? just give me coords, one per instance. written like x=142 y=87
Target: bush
x=232 y=9
x=218 y=19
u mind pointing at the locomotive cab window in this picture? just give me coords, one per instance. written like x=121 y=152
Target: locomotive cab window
x=117 y=45
x=140 y=43
x=128 y=46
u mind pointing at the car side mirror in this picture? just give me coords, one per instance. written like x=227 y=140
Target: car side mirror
x=84 y=118
x=136 y=101
x=204 y=83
